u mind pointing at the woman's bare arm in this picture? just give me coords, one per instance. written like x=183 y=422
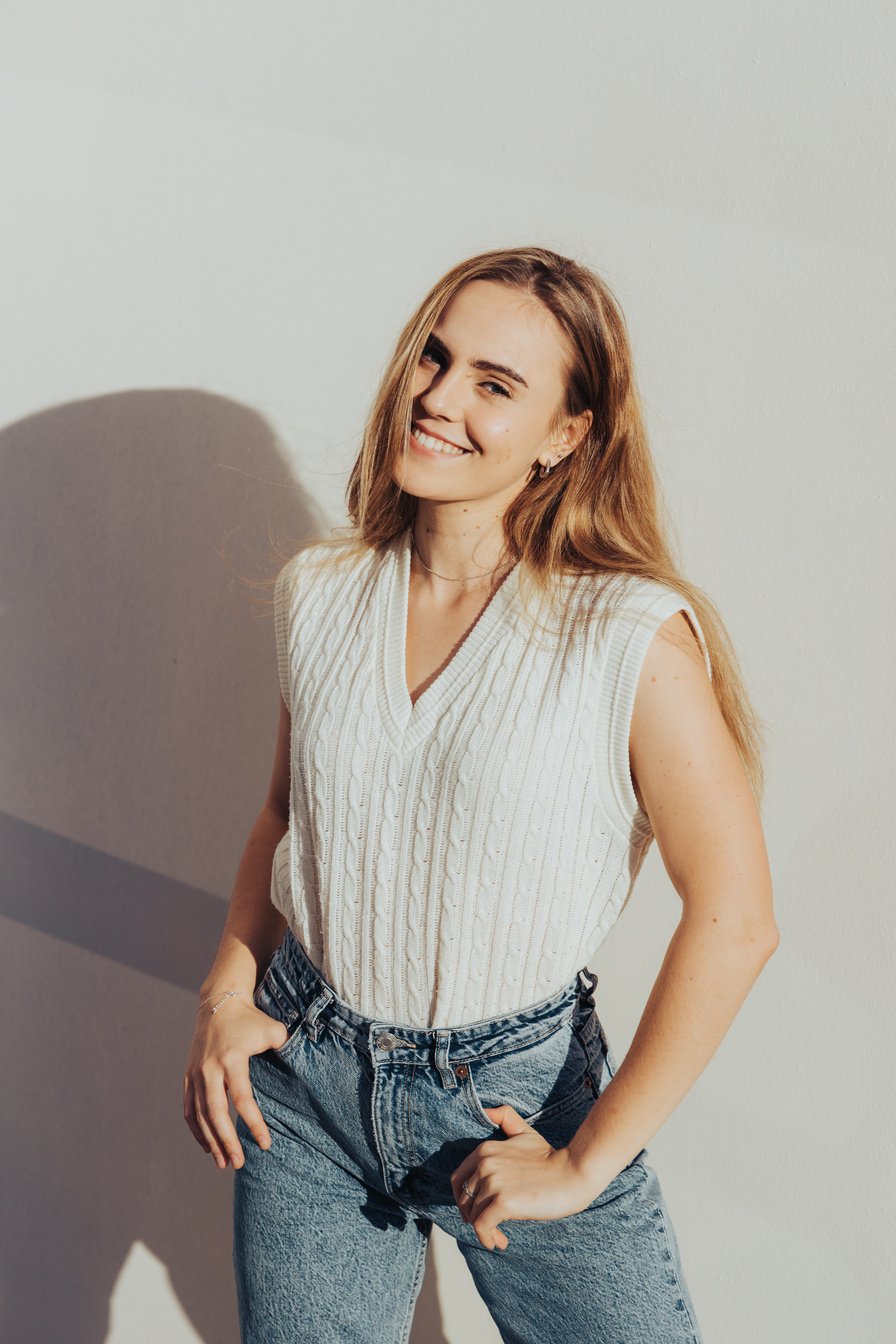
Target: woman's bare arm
x=223 y=1042
x=691 y=782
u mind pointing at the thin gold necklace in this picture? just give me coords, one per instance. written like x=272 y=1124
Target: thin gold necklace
x=464 y=579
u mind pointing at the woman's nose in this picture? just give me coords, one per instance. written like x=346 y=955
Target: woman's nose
x=443 y=397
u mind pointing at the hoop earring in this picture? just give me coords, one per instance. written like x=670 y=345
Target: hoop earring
x=543 y=470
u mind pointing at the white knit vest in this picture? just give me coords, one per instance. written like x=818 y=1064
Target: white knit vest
x=462 y=857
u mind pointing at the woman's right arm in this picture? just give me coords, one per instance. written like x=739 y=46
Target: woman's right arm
x=253 y=929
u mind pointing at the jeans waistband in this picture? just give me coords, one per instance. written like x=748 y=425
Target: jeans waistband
x=305 y=995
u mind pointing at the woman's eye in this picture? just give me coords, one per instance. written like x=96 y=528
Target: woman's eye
x=435 y=357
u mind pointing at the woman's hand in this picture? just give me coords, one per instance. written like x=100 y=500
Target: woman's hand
x=218 y=1064
x=522 y=1176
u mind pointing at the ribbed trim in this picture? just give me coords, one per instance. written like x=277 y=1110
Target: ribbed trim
x=281 y=620
x=409 y=723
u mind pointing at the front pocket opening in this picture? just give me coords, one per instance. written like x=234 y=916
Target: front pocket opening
x=294 y=1029
x=585 y=1092
x=267 y=999
x=517 y=1079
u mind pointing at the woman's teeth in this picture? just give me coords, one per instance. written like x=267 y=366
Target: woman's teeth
x=438 y=445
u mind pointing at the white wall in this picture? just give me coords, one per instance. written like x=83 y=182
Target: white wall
x=216 y=218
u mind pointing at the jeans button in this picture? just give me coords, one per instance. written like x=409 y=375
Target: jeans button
x=386 y=1041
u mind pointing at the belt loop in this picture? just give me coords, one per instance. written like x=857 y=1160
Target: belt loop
x=310 y=1022
x=446 y=1073
x=587 y=985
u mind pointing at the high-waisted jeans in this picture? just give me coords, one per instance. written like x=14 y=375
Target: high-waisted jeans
x=368 y=1119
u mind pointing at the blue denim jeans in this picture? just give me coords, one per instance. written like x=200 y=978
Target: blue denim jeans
x=368 y=1119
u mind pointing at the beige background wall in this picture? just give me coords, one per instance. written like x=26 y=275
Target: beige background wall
x=215 y=220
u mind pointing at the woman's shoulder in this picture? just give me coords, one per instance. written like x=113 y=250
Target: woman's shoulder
x=319 y=564
x=639 y=592
x=622 y=609
x=613 y=593
x=640 y=606
x=330 y=555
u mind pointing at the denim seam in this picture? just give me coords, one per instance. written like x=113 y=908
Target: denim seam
x=587 y=1054
x=695 y=1338
x=415 y=1286
x=409 y=1086
x=590 y=1024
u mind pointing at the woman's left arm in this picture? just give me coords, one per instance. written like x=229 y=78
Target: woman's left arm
x=690 y=780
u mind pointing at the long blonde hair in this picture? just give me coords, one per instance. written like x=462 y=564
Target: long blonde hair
x=599 y=510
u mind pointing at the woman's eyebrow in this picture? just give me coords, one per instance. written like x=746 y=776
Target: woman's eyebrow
x=487 y=365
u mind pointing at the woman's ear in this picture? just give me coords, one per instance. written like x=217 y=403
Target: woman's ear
x=574 y=433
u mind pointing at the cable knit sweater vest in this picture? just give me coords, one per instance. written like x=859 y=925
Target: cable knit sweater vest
x=461 y=857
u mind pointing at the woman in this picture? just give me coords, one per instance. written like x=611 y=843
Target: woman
x=494 y=694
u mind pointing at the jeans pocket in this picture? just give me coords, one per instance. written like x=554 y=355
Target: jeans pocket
x=541 y=1080
x=271 y=998
x=593 y=1040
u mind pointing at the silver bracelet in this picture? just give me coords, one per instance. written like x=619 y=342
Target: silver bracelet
x=222 y=998
x=208 y=1000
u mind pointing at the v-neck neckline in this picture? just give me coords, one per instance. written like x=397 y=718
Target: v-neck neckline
x=407 y=721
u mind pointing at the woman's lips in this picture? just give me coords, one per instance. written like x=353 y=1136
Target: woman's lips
x=434 y=452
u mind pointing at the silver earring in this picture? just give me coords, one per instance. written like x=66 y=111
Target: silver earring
x=543 y=470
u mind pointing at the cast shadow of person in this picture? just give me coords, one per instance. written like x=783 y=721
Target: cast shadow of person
x=139 y=699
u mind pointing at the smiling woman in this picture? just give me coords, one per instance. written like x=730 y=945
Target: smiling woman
x=487 y=386
x=432 y=443
x=470 y=682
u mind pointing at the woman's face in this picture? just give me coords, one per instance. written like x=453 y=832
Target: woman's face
x=463 y=397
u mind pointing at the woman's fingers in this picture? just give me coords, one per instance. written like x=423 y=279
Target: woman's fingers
x=473 y=1206
x=206 y=1081
x=216 y=1114
x=219 y=1067
x=485 y=1217
x=465 y=1172
x=213 y=1146
x=190 y=1114
x=240 y=1089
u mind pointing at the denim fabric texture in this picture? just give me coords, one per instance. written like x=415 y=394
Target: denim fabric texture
x=368 y=1119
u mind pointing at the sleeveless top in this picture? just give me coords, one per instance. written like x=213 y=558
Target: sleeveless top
x=461 y=857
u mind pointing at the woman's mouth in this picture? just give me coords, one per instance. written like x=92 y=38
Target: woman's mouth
x=433 y=447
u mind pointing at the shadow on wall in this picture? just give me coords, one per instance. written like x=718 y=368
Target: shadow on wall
x=139 y=705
